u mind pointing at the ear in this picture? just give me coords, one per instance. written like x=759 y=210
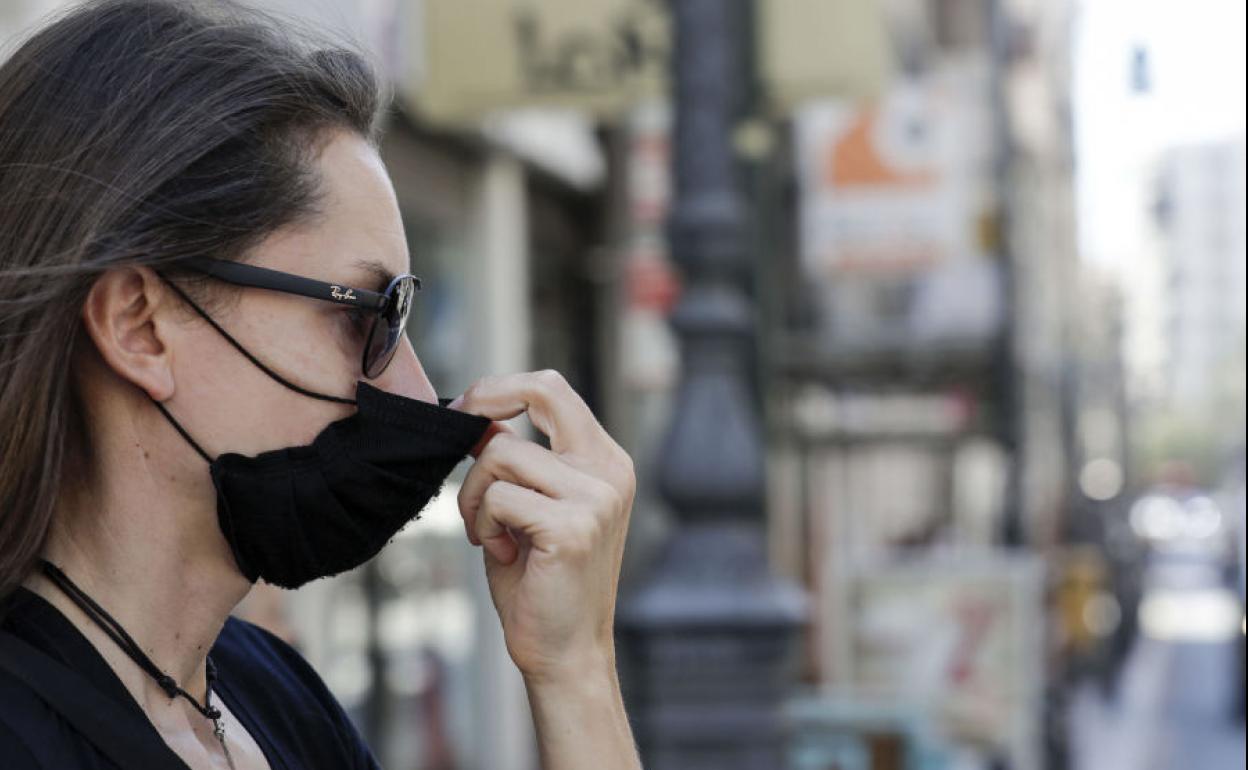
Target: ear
x=121 y=317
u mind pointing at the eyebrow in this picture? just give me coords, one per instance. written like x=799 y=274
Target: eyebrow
x=377 y=270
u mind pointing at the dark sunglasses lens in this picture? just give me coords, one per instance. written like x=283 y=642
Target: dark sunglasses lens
x=388 y=326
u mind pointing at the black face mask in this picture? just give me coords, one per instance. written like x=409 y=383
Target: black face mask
x=305 y=512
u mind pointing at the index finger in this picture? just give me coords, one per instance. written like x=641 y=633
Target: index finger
x=553 y=406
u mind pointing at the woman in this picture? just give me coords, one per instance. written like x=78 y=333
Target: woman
x=204 y=382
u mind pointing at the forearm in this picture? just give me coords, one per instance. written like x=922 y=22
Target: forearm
x=580 y=720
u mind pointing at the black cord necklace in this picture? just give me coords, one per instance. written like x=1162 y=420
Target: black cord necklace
x=109 y=625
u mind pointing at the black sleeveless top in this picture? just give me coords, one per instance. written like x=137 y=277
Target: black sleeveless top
x=269 y=687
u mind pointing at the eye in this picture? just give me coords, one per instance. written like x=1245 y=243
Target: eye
x=357 y=319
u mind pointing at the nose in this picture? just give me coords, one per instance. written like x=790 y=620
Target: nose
x=405 y=376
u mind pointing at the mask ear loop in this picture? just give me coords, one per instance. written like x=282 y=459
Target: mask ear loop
x=182 y=431
x=250 y=357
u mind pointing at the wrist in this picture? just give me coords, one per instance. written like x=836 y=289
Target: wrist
x=584 y=671
x=578 y=713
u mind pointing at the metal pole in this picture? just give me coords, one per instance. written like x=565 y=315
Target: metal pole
x=707 y=639
x=1010 y=417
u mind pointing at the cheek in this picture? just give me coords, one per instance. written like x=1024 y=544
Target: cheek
x=282 y=418
x=347 y=333
x=308 y=344
x=230 y=405
x=271 y=417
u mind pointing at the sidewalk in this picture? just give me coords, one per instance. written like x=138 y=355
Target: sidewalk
x=1176 y=707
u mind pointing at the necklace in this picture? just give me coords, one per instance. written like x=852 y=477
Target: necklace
x=113 y=629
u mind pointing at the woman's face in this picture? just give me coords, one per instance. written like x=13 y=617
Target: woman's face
x=228 y=403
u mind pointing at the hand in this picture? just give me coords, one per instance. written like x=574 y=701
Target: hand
x=552 y=522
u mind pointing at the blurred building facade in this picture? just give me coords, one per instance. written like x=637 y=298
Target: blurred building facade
x=1200 y=196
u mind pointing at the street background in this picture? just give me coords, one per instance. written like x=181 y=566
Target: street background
x=982 y=344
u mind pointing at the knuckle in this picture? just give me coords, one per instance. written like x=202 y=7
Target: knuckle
x=580 y=537
x=552 y=377
x=475 y=390
x=606 y=498
x=620 y=472
x=492 y=498
x=627 y=470
x=486 y=524
x=551 y=382
x=493 y=454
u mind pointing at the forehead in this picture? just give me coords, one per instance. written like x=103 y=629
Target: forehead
x=359 y=232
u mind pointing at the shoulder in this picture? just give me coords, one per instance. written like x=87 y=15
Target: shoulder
x=250 y=658
x=270 y=679
x=18 y=705
x=246 y=647
x=33 y=736
x=16 y=754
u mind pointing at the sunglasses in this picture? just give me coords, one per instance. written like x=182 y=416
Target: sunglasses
x=389 y=309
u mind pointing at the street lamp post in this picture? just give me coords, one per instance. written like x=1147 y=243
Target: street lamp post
x=707 y=639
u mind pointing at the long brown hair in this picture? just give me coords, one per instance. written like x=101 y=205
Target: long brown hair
x=140 y=132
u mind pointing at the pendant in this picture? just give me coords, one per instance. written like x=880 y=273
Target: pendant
x=218 y=730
